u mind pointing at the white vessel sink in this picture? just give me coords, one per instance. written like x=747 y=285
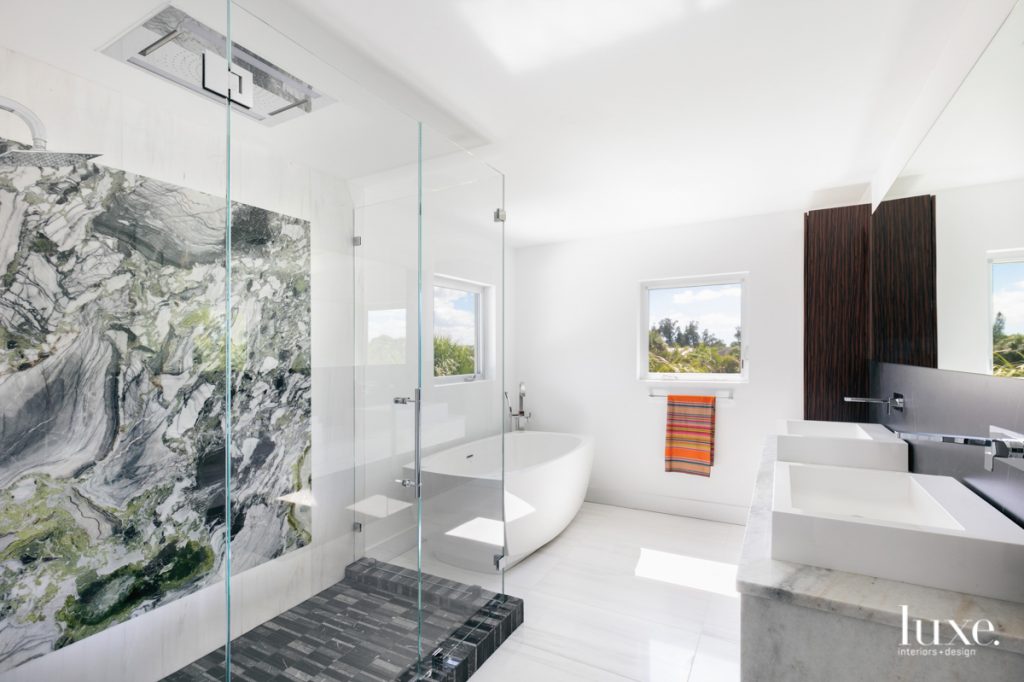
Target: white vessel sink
x=928 y=530
x=870 y=446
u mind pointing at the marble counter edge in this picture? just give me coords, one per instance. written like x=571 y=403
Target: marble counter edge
x=850 y=594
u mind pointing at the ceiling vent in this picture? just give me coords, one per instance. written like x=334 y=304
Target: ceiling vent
x=173 y=45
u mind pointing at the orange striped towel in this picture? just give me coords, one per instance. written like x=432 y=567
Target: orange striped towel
x=690 y=434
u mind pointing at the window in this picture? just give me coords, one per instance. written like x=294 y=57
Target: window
x=691 y=329
x=1008 y=318
x=458 y=330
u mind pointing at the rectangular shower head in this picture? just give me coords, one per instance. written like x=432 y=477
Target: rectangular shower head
x=179 y=48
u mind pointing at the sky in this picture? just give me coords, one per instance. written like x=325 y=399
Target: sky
x=715 y=307
x=1008 y=294
x=455 y=315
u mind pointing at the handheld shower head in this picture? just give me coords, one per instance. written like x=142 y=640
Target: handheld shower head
x=37 y=156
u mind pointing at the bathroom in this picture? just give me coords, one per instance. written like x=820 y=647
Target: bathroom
x=581 y=340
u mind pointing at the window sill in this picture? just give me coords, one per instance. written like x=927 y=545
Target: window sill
x=446 y=384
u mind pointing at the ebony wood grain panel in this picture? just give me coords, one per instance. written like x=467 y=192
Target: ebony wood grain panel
x=837 y=332
x=903 y=300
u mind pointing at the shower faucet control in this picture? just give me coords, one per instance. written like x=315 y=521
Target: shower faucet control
x=520 y=418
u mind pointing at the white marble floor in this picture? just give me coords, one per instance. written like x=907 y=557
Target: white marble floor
x=621 y=595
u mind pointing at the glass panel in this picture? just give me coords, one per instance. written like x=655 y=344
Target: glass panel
x=316 y=162
x=464 y=406
x=112 y=345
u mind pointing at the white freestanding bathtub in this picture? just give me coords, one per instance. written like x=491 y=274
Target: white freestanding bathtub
x=546 y=477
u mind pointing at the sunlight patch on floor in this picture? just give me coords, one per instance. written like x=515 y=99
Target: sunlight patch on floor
x=687 y=571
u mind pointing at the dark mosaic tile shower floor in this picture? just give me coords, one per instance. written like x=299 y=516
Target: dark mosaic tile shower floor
x=364 y=629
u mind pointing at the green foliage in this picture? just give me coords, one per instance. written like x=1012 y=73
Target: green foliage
x=688 y=350
x=453 y=359
x=1008 y=356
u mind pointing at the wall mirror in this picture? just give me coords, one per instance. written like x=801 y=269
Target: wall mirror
x=972 y=162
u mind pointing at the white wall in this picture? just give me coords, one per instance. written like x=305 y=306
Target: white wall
x=970 y=222
x=577 y=311
x=185 y=144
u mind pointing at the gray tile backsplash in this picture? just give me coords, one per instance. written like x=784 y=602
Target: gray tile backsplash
x=942 y=401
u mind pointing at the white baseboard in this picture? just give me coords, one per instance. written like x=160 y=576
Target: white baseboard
x=679 y=506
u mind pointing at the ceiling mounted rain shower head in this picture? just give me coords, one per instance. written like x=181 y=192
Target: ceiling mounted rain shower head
x=175 y=46
x=38 y=155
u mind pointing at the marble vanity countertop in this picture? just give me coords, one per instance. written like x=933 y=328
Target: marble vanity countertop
x=850 y=594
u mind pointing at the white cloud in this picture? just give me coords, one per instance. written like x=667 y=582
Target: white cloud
x=704 y=294
x=455 y=315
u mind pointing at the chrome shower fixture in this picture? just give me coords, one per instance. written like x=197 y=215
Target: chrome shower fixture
x=38 y=155
x=183 y=50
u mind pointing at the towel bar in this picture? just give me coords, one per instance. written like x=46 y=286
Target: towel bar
x=721 y=396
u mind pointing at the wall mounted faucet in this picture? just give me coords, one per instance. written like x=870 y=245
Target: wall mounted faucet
x=893 y=402
x=1000 y=443
x=518 y=419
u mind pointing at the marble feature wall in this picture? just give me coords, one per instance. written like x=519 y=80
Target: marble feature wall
x=112 y=401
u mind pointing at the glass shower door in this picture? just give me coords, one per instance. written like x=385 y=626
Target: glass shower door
x=429 y=384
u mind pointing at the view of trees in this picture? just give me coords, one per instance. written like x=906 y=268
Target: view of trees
x=453 y=359
x=687 y=350
x=1007 y=350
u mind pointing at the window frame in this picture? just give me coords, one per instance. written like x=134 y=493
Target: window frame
x=479 y=353
x=644 y=326
x=995 y=258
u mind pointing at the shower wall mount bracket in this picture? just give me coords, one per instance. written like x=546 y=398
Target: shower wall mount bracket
x=233 y=83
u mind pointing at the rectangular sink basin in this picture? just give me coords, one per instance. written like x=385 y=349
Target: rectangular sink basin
x=869 y=446
x=915 y=528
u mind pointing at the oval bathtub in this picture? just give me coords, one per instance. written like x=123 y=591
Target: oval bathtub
x=546 y=477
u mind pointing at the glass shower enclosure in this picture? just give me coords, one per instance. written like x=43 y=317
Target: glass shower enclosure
x=253 y=354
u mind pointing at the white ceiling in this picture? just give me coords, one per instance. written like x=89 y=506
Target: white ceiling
x=606 y=115
x=979 y=138
x=615 y=115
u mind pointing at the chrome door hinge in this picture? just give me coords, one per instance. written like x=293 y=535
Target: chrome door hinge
x=357 y=241
x=357 y=527
x=499 y=215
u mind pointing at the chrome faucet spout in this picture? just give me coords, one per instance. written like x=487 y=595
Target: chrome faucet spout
x=1001 y=443
x=893 y=402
